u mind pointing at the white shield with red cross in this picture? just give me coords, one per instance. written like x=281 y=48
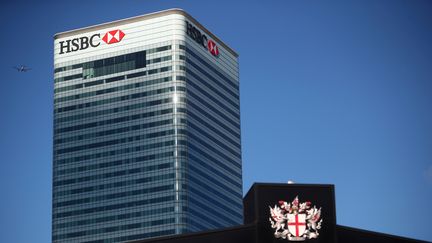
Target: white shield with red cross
x=297 y=224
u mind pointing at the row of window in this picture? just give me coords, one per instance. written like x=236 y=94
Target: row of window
x=110 y=65
x=111 y=60
x=196 y=226
x=212 y=108
x=67 y=78
x=217 y=131
x=118 y=109
x=213 y=139
x=211 y=117
x=115 y=207
x=193 y=149
x=117 y=162
x=99 y=155
x=224 y=97
x=124 y=216
x=208 y=220
x=114 y=228
x=115 y=141
x=211 y=211
x=120 y=98
x=210 y=77
x=117 y=130
x=114 y=185
x=114 y=196
x=229 y=210
x=115 y=89
x=114 y=121
x=134 y=237
x=211 y=191
x=130 y=171
x=116 y=64
x=113 y=79
x=212 y=169
x=225 y=189
x=214 y=150
x=215 y=100
x=159 y=59
x=211 y=199
x=66 y=68
x=211 y=67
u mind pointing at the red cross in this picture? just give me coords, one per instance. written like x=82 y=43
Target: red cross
x=296 y=224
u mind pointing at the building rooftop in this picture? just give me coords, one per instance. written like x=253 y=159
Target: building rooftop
x=141 y=18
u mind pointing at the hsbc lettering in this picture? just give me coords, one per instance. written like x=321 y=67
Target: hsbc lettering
x=77 y=44
x=201 y=39
x=82 y=43
x=195 y=34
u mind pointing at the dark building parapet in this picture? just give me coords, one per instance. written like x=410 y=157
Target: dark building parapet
x=290 y=198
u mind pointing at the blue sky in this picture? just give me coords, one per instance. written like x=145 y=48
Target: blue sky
x=335 y=92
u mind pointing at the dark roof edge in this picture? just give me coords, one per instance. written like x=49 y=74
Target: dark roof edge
x=276 y=184
x=144 y=17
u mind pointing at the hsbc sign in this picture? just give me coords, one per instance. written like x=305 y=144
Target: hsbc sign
x=113 y=36
x=82 y=43
x=212 y=47
x=202 y=39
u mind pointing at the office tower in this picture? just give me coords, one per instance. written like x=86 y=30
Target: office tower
x=146 y=130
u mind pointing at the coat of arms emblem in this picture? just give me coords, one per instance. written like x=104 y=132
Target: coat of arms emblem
x=295 y=221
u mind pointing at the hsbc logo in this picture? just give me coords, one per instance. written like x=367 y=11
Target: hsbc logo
x=212 y=47
x=201 y=39
x=113 y=36
x=82 y=43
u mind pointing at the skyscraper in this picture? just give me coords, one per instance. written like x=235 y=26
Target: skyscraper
x=146 y=130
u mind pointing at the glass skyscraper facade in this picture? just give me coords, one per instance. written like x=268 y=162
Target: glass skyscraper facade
x=146 y=130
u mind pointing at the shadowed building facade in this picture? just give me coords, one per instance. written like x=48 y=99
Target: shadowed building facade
x=146 y=130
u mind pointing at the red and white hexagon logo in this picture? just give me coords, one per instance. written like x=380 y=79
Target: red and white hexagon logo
x=113 y=36
x=212 y=47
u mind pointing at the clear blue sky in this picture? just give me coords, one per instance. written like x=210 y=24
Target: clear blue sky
x=333 y=92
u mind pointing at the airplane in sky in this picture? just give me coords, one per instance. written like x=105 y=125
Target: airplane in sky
x=22 y=68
